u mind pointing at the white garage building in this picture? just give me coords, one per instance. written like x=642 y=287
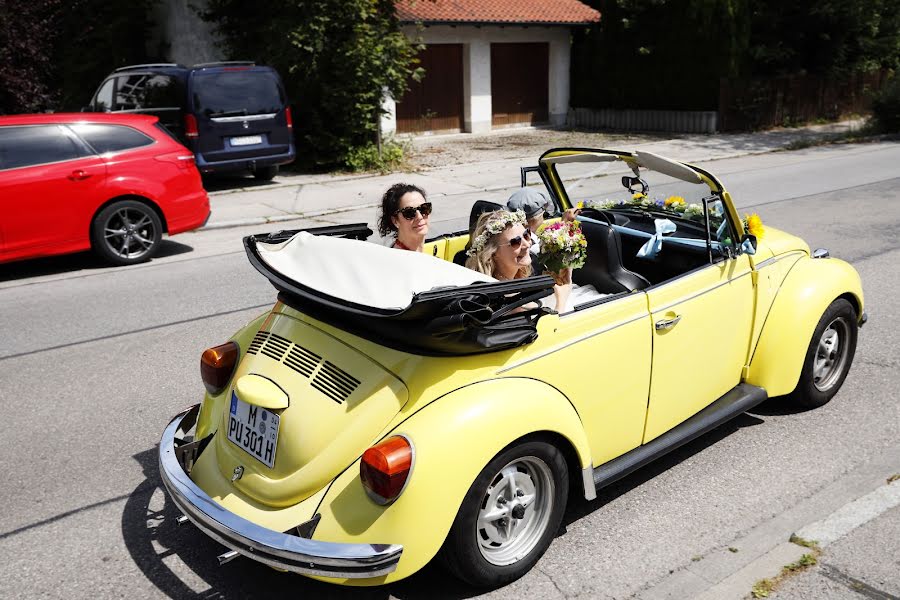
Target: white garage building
x=488 y=64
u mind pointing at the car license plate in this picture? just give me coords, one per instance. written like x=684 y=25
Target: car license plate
x=247 y=140
x=254 y=430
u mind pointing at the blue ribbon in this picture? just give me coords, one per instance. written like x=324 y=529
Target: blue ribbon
x=654 y=244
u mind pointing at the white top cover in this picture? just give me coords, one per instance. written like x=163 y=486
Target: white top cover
x=363 y=272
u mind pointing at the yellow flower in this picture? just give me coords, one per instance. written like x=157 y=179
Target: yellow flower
x=580 y=204
x=637 y=196
x=754 y=225
x=674 y=200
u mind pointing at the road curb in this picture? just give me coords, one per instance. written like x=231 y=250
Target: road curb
x=729 y=572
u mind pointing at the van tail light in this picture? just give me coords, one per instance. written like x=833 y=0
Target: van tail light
x=289 y=117
x=385 y=467
x=190 y=126
x=217 y=366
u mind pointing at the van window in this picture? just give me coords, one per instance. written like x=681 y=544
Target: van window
x=104 y=99
x=145 y=91
x=232 y=93
x=111 y=138
x=36 y=145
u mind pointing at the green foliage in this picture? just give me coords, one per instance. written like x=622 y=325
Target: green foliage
x=337 y=58
x=823 y=37
x=95 y=37
x=671 y=54
x=26 y=61
x=53 y=54
x=367 y=158
x=886 y=111
x=658 y=54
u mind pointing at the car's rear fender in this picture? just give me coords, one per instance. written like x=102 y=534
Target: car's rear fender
x=453 y=438
x=810 y=286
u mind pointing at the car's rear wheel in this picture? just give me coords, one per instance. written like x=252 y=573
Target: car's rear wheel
x=265 y=173
x=509 y=516
x=126 y=232
x=829 y=356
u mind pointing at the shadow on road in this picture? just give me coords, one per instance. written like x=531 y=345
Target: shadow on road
x=81 y=261
x=153 y=537
x=233 y=181
x=579 y=509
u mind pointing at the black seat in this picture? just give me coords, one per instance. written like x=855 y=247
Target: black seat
x=480 y=207
x=604 y=268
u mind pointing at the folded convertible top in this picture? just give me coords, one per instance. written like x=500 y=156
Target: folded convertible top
x=406 y=300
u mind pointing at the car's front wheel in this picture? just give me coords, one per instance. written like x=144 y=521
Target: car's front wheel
x=509 y=516
x=829 y=356
x=126 y=232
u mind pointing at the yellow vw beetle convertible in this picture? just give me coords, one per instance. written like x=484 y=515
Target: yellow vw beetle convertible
x=395 y=407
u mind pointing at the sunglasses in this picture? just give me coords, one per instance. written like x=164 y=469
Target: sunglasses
x=517 y=241
x=409 y=213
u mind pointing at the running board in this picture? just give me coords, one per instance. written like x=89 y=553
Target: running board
x=740 y=399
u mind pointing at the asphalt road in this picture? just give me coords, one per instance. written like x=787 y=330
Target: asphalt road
x=94 y=361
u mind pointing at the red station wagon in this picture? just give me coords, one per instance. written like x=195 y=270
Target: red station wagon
x=111 y=183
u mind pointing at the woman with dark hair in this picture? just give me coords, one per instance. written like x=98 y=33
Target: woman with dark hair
x=404 y=214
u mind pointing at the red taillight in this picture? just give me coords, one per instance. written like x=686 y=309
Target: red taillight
x=288 y=117
x=190 y=126
x=183 y=160
x=217 y=366
x=385 y=467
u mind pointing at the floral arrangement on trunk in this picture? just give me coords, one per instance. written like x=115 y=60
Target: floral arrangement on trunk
x=563 y=246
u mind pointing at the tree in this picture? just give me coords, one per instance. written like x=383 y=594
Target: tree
x=337 y=57
x=832 y=38
x=26 y=57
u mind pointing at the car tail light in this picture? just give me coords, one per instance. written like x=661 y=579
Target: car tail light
x=217 y=366
x=385 y=467
x=184 y=160
x=289 y=117
x=190 y=126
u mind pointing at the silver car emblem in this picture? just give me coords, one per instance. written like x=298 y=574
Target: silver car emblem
x=238 y=473
x=246 y=125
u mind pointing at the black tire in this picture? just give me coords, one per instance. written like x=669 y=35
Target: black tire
x=266 y=173
x=829 y=356
x=126 y=232
x=474 y=550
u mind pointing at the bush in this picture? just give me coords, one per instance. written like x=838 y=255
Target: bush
x=886 y=107
x=366 y=157
x=337 y=59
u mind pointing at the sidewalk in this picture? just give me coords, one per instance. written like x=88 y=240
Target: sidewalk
x=293 y=197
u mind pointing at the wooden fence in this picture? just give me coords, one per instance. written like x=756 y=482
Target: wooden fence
x=764 y=103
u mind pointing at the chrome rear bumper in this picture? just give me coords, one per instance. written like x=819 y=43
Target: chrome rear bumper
x=279 y=550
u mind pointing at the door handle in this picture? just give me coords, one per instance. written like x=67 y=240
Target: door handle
x=79 y=175
x=666 y=324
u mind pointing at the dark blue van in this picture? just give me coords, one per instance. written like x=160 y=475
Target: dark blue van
x=234 y=116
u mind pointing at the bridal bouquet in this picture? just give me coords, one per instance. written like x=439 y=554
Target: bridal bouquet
x=562 y=246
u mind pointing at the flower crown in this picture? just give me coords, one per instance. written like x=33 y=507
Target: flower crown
x=497 y=223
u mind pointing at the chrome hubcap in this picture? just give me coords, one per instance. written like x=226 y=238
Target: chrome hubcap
x=515 y=511
x=129 y=233
x=831 y=354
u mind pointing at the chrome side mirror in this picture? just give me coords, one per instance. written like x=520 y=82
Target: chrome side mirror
x=748 y=244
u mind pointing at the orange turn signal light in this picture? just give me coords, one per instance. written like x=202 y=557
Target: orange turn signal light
x=217 y=366
x=385 y=467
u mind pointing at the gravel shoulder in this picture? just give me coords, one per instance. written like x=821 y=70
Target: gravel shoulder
x=425 y=152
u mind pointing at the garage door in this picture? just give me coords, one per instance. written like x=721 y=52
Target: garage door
x=519 y=83
x=436 y=102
